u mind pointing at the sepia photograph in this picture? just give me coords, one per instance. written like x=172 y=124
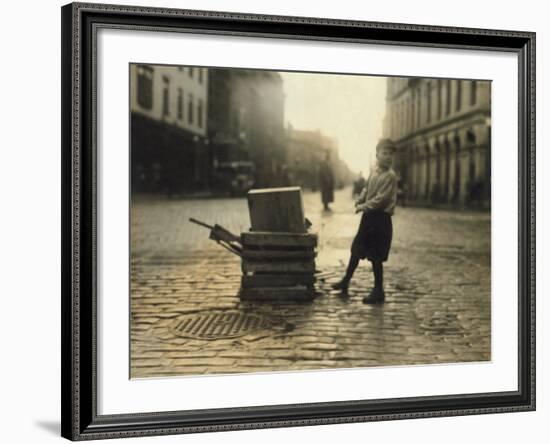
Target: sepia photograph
x=297 y=221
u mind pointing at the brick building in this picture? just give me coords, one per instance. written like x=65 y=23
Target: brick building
x=442 y=128
x=246 y=120
x=306 y=150
x=169 y=146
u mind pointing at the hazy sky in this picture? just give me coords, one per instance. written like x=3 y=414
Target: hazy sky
x=348 y=108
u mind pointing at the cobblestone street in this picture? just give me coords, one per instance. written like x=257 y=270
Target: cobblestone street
x=437 y=283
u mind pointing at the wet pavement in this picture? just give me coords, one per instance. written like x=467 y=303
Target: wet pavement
x=187 y=318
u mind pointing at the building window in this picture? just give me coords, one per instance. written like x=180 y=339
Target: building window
x=200 y=111
x=448 y=101
x=190 y=110
x=403 y=117
x=145 y=86
x=191 y=72
x=392 y=120
x=413 y=109
x=201 y=73
x=418 y=116
x=180 y=103
x=399 y=114
x=395 y=120
x=458 y=95
x=166 y=97
x=428 y=102
x=408 y=126
x=439 y=99
x=473 y=92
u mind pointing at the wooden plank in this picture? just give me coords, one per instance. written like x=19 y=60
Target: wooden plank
x=258 y=239
x=277 y=280
x=284 y=294
x=278 y=254
x=278 y=267
x=276 y=209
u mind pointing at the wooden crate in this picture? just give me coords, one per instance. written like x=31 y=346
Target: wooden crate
x=276 y=210
x=278 y=266
x=278 y=255
x=277 y=280
x=278 y=294
x=262 y=266
x=282 y=240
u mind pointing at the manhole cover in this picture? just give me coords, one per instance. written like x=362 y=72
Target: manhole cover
x=219 y=324
x=441 y=324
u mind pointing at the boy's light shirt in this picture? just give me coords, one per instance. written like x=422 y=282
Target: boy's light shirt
x=380 y=191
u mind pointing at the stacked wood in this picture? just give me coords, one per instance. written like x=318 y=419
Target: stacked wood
x=278 y=266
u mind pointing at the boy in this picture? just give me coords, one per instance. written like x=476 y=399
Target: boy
x=373 y=239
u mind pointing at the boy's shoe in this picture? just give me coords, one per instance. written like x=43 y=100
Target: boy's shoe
x=340 y=285
x=376 y=296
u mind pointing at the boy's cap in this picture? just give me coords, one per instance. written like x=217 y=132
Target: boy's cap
x=386 y=144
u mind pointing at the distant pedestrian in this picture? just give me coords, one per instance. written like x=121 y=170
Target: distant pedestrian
x=326 y=182
x=373 y=239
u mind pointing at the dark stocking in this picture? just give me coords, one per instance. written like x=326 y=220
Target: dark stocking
x=378 y=271
x=352 y=265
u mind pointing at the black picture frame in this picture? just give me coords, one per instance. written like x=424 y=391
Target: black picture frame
x=80 y=420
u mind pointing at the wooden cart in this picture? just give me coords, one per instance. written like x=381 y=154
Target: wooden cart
x=277 y=253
